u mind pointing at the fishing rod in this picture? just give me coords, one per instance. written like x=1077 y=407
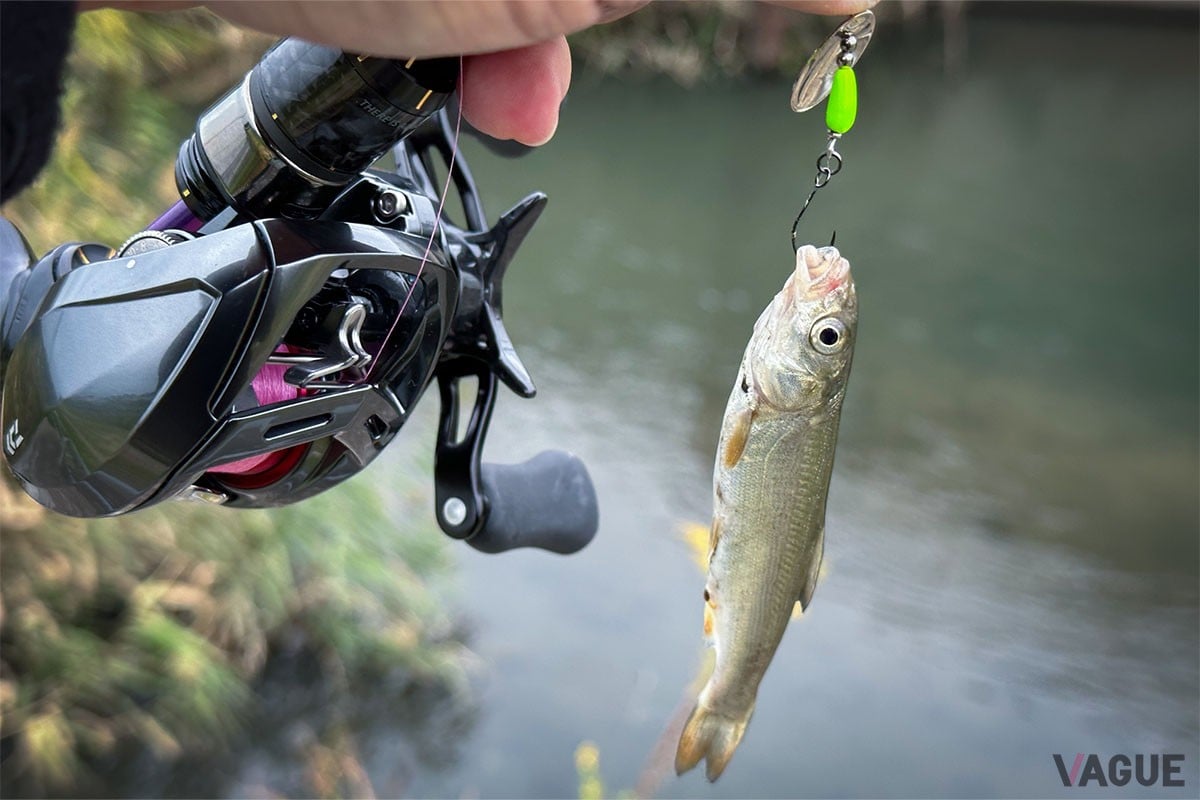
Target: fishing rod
x=269 y=334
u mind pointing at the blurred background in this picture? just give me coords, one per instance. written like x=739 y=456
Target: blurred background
x=1014 y=523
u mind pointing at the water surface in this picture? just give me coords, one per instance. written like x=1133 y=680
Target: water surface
x=1013 y=537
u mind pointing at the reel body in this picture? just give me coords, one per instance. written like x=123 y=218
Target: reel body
x=257 y=360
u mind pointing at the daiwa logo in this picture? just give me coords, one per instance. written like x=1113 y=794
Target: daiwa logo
x=13 y=437
x=1152 y=769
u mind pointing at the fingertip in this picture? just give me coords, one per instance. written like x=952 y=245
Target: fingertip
x=516 y=94
x=548 y=128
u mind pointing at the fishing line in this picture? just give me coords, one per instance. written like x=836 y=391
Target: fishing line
x=437 y=217
x=269 y=385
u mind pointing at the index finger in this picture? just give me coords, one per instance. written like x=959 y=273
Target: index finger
x=424 y=28
x=842 y=8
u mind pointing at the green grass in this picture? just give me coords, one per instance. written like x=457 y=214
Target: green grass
x=151 y=627
x=133 y=88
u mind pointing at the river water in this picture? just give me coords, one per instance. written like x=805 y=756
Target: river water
x=1013 y=523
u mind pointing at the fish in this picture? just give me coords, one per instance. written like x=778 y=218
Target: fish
x=770 y=485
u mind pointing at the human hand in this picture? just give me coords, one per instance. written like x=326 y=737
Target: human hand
x=517 y=65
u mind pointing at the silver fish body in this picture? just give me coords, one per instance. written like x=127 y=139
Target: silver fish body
x=771 y=481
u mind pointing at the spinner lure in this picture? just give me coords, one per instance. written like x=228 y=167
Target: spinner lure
x=830 y=73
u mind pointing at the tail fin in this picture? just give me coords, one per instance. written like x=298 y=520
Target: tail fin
x=711 y=736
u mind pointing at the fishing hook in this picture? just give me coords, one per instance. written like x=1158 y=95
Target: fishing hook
x=829 y=163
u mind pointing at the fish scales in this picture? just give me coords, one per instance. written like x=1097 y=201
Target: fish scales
x=772 y=578
x=771 y=481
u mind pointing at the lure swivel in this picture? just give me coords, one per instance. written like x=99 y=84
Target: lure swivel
x=829 y=163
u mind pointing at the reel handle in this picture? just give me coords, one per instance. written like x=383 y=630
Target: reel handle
x=547 y=502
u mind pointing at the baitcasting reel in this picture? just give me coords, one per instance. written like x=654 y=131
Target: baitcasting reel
x=268 y=335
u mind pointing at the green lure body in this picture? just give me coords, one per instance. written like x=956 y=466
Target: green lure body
x=843 y=101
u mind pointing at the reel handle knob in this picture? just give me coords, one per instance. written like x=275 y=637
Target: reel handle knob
x=547 y=502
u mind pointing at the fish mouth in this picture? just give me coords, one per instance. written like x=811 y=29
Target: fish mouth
x=819 y=271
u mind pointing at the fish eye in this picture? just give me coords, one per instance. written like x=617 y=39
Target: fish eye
x=828 y=335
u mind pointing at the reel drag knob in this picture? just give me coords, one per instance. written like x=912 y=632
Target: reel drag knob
x=149 y=241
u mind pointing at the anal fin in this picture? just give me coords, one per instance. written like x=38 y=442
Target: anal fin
x=814 y=575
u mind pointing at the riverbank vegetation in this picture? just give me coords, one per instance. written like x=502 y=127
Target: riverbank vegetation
x=151 y=628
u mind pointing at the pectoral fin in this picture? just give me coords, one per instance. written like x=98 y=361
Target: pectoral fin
x=735 y=443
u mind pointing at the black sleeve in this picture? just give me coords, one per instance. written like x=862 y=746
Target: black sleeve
x=34 y=40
